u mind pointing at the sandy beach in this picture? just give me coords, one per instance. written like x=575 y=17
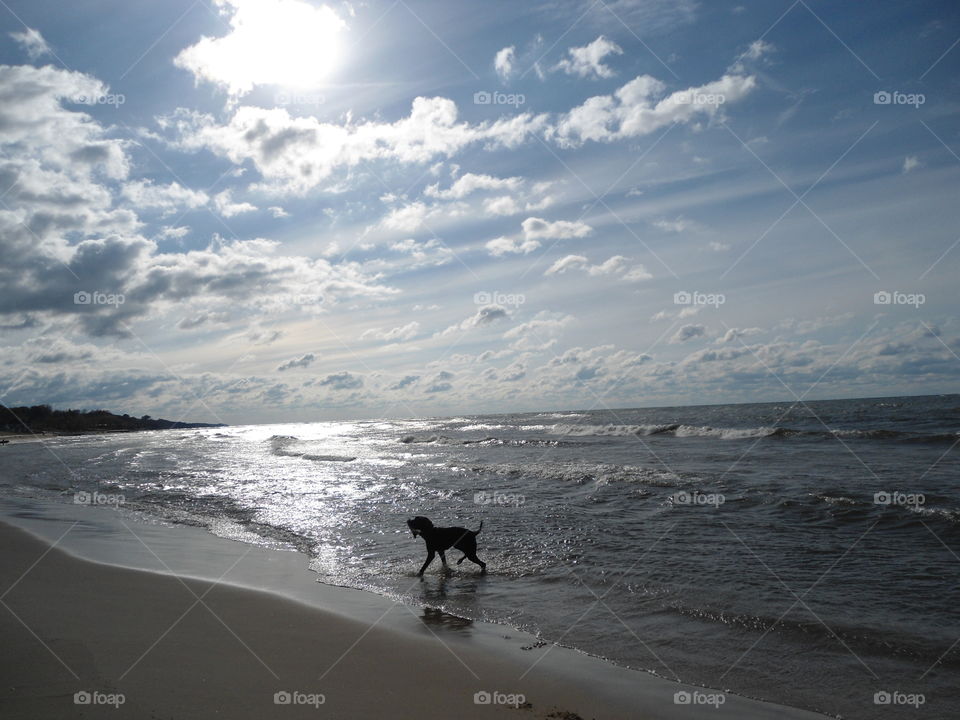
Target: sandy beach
x=143 y=644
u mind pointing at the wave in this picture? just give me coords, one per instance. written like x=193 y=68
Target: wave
x=731 y=433
x=280 y=446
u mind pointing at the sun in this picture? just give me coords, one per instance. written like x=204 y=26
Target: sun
x=289 y=43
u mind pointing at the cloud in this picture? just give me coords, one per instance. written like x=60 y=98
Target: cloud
x=397 y=334
x=678 y=225
x=911 y=162
x=226 y=207
x=470 y=183
x=688 y=332
x=587 y=61
x=405 y=381
x=295 y=154
x=633 y=110
x=504 y=62
x=271 y=42
x=32 y=43
x=144 y=194
x=736 y=333
x=569 y=262
x=616 y=265
x=511 y=246
x=342 y=381
x=539 y=229
x=484 y=316
x=300 y=362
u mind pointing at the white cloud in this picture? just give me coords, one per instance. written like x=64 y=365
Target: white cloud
x=570 y=262
x=470 y=183
x=32 y=43
x=911 y=162
x=484 y=316
x=677 y=225
x=166 y=198
x=397 y=334
x=587 y=61
x=271 y=42
x=633 y=110
x=539 y=229
x=616 y=265
x=504 y=61
x=511 y=246
x=226 y=207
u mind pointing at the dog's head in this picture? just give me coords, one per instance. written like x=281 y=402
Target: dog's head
x=419 y=524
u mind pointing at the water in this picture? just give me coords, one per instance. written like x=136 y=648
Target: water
x=806 y=555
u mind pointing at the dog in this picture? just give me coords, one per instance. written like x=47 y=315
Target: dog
x=439 y=539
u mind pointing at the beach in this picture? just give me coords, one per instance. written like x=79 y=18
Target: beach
x=88 y=639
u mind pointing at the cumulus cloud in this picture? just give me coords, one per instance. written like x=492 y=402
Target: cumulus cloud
x=587 y=61
x=504 y=62
x=301 y=362
x=341 y=381
x=535 y=228
x=397 y=334
x=405 y=381
x=511 y=246
x=469 y=183
x=736 y=333
x=634 y=110
x=486 y=315
x=911 y=162
x=144 y=194
x=228 y=208
x=688 y=332
x=295 y=154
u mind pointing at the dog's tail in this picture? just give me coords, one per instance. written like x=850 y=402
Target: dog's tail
x=477 y=531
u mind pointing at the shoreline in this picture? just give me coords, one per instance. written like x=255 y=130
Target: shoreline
x=431 y=660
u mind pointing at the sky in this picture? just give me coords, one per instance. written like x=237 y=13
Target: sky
x=249 y=211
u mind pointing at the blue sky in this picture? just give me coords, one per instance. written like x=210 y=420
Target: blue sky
x=257 y=210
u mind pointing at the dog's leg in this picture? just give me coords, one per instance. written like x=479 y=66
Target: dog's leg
x=473 y=557
x=430 y=556
x=461 y=559
x=443 y=559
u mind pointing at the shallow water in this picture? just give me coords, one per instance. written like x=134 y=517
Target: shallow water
x=805 y=555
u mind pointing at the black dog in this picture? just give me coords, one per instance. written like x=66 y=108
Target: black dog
x=439 y=539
